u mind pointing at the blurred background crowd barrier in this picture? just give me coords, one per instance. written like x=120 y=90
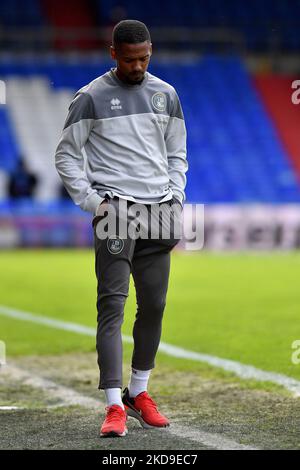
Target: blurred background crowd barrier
x=233 y=65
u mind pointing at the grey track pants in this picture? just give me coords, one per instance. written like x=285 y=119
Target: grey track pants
x=148 y=261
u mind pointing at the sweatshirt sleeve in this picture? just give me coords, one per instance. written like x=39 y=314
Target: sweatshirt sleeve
x=175 y=139
x=69 y=159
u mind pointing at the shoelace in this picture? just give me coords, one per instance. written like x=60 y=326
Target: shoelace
x=150 y=402
x=113 y=413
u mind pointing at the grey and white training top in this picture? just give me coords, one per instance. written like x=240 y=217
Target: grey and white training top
x=134 y=137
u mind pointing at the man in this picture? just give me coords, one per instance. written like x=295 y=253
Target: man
x=132 y=128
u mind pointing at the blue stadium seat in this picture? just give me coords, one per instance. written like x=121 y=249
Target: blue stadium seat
x=258 y=21
x=9 y=152
x=234 y=152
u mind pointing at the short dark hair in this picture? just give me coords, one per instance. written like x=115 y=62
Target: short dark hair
x=131 y=32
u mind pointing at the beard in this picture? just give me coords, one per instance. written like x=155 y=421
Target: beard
x=135 y=78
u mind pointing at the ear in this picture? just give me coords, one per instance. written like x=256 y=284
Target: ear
x=113 y=52
x=150 y=48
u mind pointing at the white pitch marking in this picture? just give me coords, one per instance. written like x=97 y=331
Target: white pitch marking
x=241 y=370
x=9 y=408
x=208 y=439
x=65 y=395
x=68 y=396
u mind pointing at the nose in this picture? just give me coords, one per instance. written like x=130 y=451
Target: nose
x=137 y=67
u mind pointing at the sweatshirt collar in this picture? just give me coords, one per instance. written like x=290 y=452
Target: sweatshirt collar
x=128 y=86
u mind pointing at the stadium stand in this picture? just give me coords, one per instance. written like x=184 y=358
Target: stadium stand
x=224 y=58
x=235 y=151
x=20 y=13
x=67 y=15
x=262 y=23
x=38 y=116
x=284 y=113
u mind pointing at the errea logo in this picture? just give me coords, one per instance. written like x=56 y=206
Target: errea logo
x=115 y=103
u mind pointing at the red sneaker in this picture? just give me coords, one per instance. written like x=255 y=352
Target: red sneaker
x=143 y=408
x=114 y=424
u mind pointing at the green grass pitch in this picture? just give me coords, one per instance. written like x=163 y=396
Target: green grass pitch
x=243 y=307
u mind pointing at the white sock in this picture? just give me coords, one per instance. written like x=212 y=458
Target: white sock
x=113 y=397
x=138 y=382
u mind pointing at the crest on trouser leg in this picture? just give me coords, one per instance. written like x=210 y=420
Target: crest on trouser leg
x=115 y=244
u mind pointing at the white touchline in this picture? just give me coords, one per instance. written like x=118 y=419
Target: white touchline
x=10 y=408
x=67 y=396
x=208 y=439
x=241 y=370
